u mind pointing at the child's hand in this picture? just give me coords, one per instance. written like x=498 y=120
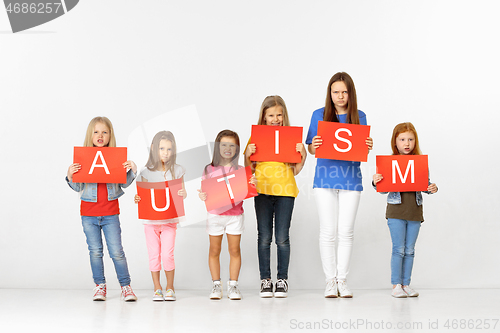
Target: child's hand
x=202 y=195
x=369 y=143
x=377 y=178
x=253 y=180
x=316 y=142
x=182 y=193
x=137 y=198
x=73 y=168
x=251 y=149
x=130 y=165
x=432 y=188
x=299 y=147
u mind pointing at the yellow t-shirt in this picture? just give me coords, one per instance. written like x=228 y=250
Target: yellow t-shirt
x=275 y=178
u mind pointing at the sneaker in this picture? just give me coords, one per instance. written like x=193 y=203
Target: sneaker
x=332 y=290
x=410 y=292
x=281 y=288
x=170 y=295
x=344 y=291
x=216 y=290
x=158 y=295
x=100 y=292
x=266 y=288
x=232 y=290
x=398 y=292
x=127 y=294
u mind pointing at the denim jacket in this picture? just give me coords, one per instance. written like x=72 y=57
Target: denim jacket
x=394 y=198
x=88 y=191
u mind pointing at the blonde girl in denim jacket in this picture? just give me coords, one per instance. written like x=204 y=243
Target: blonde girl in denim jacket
x=100 y=213
x=404 y=215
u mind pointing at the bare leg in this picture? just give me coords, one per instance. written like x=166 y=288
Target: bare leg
x=156 y=280
x=213 y=256
x=233 y=245
x=170 y=279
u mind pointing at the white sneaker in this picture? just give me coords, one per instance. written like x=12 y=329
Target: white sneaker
x=232 y=290
x=169 y=295
x=216 y=292
x=332 y=289
x=344 y=291
x=398 y=292
x=158 y=295
x=410 y=292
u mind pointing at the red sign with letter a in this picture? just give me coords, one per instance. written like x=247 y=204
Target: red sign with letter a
x=159 y=200
x=225 y=191
x=100 y=165
x=276 y=143
x=346 y=142
x=403 y=173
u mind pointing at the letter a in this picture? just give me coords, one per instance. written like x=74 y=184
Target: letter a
x=411 y=165
x=103 y=165
x=153 y=202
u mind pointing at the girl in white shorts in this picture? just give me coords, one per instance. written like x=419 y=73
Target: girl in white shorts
x=228 y=220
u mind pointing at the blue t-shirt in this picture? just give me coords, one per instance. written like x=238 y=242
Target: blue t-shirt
x=336 y=174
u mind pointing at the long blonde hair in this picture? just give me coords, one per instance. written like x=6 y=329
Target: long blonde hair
x=269 y=102
x=403 y=128
x=154 y=162
x=90 y=132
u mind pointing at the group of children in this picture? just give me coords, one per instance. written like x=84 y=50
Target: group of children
x=337 y=197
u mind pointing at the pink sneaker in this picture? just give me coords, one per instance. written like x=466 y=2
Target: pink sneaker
x=100 y=292
x=127 y=294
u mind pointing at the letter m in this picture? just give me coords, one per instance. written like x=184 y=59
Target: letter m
x=411 y=165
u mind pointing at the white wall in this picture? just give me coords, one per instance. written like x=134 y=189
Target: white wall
x=434 y=63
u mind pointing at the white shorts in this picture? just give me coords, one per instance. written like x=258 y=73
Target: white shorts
x=231 y=224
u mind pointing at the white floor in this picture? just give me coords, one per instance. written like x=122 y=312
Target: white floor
x=449 y=310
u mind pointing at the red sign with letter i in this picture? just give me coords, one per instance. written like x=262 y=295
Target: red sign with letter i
x=276 y=143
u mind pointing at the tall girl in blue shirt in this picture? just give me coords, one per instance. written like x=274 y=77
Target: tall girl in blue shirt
x=337 y=186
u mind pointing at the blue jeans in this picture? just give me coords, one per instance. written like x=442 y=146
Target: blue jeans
x=279 y=209
x=404 y=236
x=110 y=225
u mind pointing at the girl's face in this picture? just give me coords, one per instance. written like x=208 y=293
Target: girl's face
x=340 y=97
x=274 y=116
x=405 y=142
x=101 y=135
x=165 y=150
x=227 y=147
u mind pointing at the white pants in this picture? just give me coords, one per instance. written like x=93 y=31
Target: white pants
x=337 y=212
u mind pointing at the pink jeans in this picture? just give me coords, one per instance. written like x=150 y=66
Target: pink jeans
x=160 y=240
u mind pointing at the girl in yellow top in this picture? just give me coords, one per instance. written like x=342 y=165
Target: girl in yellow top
x=277 y=191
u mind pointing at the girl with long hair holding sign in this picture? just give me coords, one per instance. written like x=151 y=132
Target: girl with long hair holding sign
x=160 y=234
x=337 y=186
x=404 y=215
x=274 y=204
x=228 y=220
x=100 y=213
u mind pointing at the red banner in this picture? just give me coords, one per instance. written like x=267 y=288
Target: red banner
x=225 y=191
x=403 y=173
x=100 y=165
x=276 y=143
x=345 y=142
x=159 y=200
